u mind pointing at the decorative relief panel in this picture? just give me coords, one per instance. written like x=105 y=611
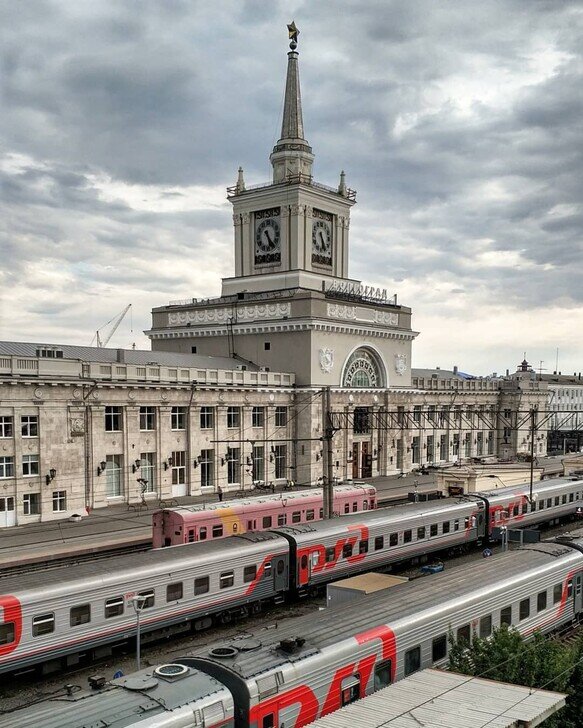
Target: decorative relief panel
x=400 y=364
x=343 y=312
x=326 y=360
x=354 y=313
x=222 y=315
x=387 y=318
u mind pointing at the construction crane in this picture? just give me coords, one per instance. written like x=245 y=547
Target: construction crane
x=116 y=320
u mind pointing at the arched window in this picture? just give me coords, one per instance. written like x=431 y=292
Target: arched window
x=363 y=369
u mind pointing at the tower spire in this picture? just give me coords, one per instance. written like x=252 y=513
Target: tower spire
x=292 y=155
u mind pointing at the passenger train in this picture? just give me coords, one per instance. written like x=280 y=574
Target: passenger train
x=311 y=666
x=64 y=614
x=203 y=522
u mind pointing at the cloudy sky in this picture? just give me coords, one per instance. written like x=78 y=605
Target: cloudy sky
x=460 y=124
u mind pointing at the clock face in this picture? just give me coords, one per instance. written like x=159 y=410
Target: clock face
x=322 y=242
x=267 y=236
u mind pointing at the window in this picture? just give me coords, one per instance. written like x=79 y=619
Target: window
x=174 y=591
x=456 y=525
x=114 y=607
x=193 y=349
x=407 y=536
x=201 y=585
x=258 y=462
x=433 y=529
x=506 y=616
x=281 y=519
x=280 y=455
x=257 y=416
x=363 y=547
x=7 y=633
x=43 y=624
x=113 y=476
x=113 y=419
x=412 y=660
x=557 y=593
x=149 y=598
x=178 y=418
x=439 y=648
x=541 y=601
x=280 y=416
x=178 y=467
x=524 y=508
x=464 y=633
x=217 y=531
x=6 y=466
x=31 y=504
x=354 y=507
x=207 y=468
x=80 y=615
x=29 y=425
x=485 y=626
x=382 y=674
x=59 y=500
x=445 y=527
x=330 y=554
x=347 y=508
x=233 y=417
x=267 y=521
x=393 y=539
x=249 y=573
x=296 y=516
x=267 y=345
x=6 y=429
x=310 y=515
x=421 y=532
x=226 y=579
x=515 y=510
x=233 y=465
x=148 y=471
x=347 y=550
x=268 y=720
x=379 y=542
x=147 y=418
x=524 y=610
x=207 y=418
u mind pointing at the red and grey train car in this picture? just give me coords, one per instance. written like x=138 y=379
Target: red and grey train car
x=313 y=665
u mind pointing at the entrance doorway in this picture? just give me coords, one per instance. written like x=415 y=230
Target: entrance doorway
x=7 y=512
x=361 y=460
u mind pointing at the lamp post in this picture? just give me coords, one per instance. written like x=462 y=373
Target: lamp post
x=138 y=602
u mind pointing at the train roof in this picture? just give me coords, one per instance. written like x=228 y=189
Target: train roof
x=145 y=694
x=114 y=569
x=260 y=651
x=540 y=486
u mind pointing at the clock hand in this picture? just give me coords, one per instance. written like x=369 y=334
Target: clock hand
x=269 y=240
x=322 y=238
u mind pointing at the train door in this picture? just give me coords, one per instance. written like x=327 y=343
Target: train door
x=303 y=569
x=7 y=512
x=279 y=574
x=366 y=461
x=578 y=593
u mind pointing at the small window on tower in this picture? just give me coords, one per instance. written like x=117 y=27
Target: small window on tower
x=193 y=349
x=267 y=345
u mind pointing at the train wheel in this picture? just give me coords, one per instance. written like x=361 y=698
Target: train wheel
x=256 y=608
x=226 y=618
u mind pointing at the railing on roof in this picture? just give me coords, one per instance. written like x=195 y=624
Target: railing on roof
x=292 y=179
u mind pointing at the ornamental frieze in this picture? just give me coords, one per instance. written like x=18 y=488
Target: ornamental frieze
x=354 y=313
x=222 y=315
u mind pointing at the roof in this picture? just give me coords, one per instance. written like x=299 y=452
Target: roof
x=127 y=356
x=369 y=583
x=439 y=699
x=444 y=374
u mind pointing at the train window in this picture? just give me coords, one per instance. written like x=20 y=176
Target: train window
x=249 y=573
x=174 y=591
x=557 y=593
x=445 y=527
x=421 y=532
x=330 y=553
x=235 y=527
x=191 y=535
x=365 y=505
x=569 y=588
x=226 y=579
x=433 y=529
x=571 y=496
x=217 y=531
x=557 y=500
x=268 y=721
x=114 y=607
x=439 y=648
x=382 y=674
x=456 y=525
x=321 y=513
x=350 y=689
x=148 y=598
x=524 y=609
x=280 y=566
x=515 y=510
x=347 y=508
x=281 y=519
x=43 y=624
x=7 y=633
x=379 y=542
x=363 y=547
x=549 y=502
x=201 y=585
x=354 y=507
x=564 y=499
x=506 y=616
x=541 y=601
x=464 y=633
x=267 y=569
x=310 y=515
x=486 y=626
x=202 y=533
x=524 y=508
x=266 y=521
x=541 y=504
x=393 y=539
x=412 y=660
x=407 y=536
x=372 y=504
x=80 y=614
x=296 y=517
x=347 y=550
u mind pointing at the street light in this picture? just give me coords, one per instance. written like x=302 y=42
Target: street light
x=138 y=602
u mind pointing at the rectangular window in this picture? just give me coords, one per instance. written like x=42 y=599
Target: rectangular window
x=280 y=455
x=148 y=472
x=6 y=428
x=393 y=539
x=233 y=465
x=506 y=616
x=379 y=542
x=257 y=416
x=280 y=416
x=207 y=468
x=147 y=418
x=174 y=591
x=31 y=504
x=178 y=418
x=249 y=573
x=267 y=521
x=330 y=554
x=80 y=614
x=43 y=624
x=29 y=425
x=59 y=500
x=207 y=418
x=445 y=527
x=113 y=417
x=382 y=675
x=541 y=601
x=464 y=633
x=178 y=467
x=258 y=462
x=363 y=547
x=347 y=550
x=296 y=516
x=114 y=607
x=114 y=476
x=433 y=529
x=347 y=508
x=201 y=585
x=412 y=660
x=149 y=598
x=310 y=515
x=6 y=466
x=439 y=648
x=486 y=626
x=524 y=611
x=281 y=519
x=456 y=525
x=7 y=633
x=407 y=536
x=226 y=579
x=233 y=417
x=421 y=532
x=217 y=531
x=557 y=593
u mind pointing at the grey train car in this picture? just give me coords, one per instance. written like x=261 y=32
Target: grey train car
x=313 y=665
x=62 y=612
